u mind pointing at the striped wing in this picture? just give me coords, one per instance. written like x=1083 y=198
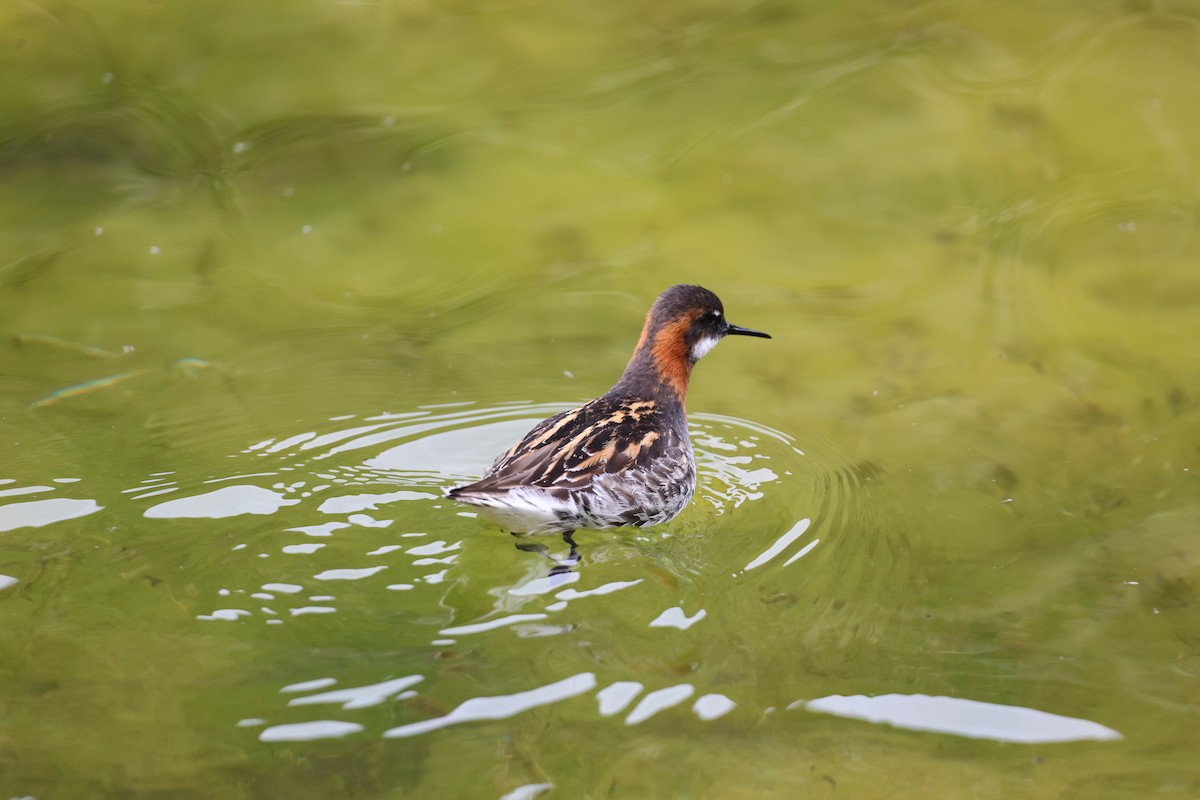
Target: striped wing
x=608 y=436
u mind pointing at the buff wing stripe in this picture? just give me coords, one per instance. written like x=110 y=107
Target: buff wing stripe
x=613 y=436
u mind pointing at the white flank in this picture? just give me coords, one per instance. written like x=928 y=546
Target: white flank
x=524 y=509
x=532 y=509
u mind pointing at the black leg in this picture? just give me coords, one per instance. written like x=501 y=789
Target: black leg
x=564 y=566
x=573 y=556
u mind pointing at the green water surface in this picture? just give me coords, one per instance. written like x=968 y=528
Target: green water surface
x=274 y=275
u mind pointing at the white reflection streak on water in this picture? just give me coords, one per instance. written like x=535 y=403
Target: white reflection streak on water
x=36 y=513
x=228 y=501
x=246 y=475
x=308 y=686
x=32 y=490
x=224 y=614
x=492 y=624
x=603 y=589
x=545 y=585
x=501 y=706
x=675 y=618
x=345 y=504
x=291 y=441
x=659 y=700
x=781 y=543
x=347 y=574
x=614 y=698
x=308 y=731
x=339 y=436
x=303 y=610
x=434 y=548
x=320 y=530
x=367 y=521
x=969 y=718
x=427 y=562
x=527 y=792
x=301 y=549
x=712 y=706
x=360 y=696
x=803 y=551
x=156 y=494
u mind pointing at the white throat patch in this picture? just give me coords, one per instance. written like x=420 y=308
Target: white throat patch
x=700 y=349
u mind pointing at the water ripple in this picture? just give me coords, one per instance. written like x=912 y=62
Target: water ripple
x=771 y=518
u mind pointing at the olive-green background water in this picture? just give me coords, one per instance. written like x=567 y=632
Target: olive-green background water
x=259 y=260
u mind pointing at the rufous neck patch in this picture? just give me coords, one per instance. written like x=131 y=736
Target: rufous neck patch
x=670 y=355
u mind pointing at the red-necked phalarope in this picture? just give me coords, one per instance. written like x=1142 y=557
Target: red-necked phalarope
x=625 y=458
